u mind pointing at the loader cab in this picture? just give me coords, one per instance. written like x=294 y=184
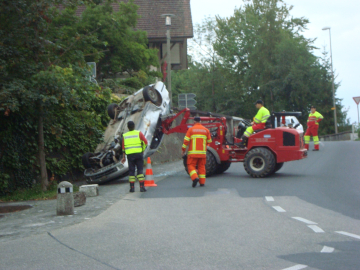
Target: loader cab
x=235 y=128
x=274 y=121
x=277 y=117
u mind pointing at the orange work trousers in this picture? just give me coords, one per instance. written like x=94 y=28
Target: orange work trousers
x=196 y=168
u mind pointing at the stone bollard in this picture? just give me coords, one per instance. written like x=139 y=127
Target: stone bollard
x=90 y=190
x=65 y=199
x=79 y=199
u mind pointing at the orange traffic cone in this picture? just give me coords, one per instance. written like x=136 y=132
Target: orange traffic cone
x=149 y=176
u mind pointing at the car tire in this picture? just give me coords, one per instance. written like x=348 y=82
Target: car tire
x=111 y=110
x=259 y=162
x=86 y=160
x=156 y=141
x=151 y=94
x=224 y=166
x=210 y=166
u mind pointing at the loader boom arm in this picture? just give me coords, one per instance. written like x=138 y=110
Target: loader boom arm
x=208 y=122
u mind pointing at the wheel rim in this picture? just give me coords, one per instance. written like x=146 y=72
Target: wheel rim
x=257 y=164
x=153 y=95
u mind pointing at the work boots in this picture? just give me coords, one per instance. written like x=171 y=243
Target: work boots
x=132 y=187
x=194 y=183
x=142 y=186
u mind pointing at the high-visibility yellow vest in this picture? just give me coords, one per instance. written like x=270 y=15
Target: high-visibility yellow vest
x=314 y=118
x=132 y=142
x=262 y=115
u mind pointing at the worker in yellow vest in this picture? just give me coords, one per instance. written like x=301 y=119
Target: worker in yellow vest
x=259 y=122
x=134 y=144
x=312 y=128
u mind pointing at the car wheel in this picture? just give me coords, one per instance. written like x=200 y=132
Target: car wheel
x=259 y=162
x=156 y=140
x=86 y=160
x=151 y=94
x=111 y=110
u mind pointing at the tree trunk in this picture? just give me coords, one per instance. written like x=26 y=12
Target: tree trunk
x=44 y=177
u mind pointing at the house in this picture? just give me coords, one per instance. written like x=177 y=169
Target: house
x=181 y=28
x=152 y=22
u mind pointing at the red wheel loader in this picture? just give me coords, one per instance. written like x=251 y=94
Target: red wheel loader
x=267 y=150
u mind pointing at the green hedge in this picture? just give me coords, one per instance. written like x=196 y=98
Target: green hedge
x=68 y=135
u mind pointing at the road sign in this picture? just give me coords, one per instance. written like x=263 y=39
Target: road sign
x=187 y=101
x=333 y=108
x=357 y=100
x=186 y=96
x=93 y=68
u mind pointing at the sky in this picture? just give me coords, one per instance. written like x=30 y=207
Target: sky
x=343 y=18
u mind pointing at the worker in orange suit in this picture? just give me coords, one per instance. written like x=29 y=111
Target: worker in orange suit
x=197 y=138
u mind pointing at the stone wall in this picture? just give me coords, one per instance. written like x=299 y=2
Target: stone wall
x=170 y=149
x=343 y=136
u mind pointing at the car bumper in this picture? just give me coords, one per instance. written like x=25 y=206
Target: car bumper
x=106 y=174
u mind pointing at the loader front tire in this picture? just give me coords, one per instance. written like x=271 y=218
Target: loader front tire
x=259 y=162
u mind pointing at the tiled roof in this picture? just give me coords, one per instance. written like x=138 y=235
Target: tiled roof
x=154 y=24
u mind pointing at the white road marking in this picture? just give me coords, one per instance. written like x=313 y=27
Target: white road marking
x=327 y=249
x=296 y=267
x=316 y=228
x=349 y=234
x=305 y=220
x=279 y=209
x=38 y=224
x=269 y=198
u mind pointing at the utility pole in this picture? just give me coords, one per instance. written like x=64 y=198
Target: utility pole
x=168 y=50
x=333 y=86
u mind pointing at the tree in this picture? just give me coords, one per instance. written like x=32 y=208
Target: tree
x=204 y=75
x=119 y=47
x=43 y=56
x=266 y=56
x=260 y=53
x=34 y=75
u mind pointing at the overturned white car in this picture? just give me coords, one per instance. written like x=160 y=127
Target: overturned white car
x=144 y=108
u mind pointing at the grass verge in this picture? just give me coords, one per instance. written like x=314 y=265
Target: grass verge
x=34 y=194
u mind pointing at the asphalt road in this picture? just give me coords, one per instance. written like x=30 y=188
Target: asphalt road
x=307 y=216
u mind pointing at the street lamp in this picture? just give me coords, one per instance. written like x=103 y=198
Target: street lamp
x=332 y=75
x=168 y=25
